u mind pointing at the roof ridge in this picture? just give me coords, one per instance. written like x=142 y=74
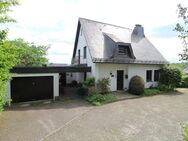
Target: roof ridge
x=105 y=23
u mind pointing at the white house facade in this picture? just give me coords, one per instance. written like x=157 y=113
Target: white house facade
x=116 y=53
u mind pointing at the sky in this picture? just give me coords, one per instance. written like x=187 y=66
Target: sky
x=54 y=22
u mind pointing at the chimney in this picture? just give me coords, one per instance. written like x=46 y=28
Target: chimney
x=138 y=31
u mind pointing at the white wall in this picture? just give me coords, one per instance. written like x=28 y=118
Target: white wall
x=104 y=70
x=79 y=77
x=55 y=82
x=80 y=46
x=140 y=70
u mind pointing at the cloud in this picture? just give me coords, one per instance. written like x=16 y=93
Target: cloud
x=54 y=22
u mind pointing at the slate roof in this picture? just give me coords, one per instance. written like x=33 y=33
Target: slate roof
x=143 y=50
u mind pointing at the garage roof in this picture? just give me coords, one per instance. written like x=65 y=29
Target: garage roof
x=51 y=69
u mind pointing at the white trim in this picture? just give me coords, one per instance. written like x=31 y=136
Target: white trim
x=55 y=82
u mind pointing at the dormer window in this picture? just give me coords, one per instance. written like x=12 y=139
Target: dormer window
x=122 y=50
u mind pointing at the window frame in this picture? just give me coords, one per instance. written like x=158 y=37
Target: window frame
x=149 y=76
x=123 y=48
x=78 y=56
x=156 y=75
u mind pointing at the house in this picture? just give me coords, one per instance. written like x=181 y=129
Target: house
x=100 y=50
x=117 y=53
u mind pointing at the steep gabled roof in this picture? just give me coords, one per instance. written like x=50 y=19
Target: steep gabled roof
x=143 y=50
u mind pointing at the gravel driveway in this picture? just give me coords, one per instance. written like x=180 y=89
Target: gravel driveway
x=156 y=118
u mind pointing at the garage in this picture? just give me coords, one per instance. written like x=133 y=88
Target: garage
x=31 y=88
x=38 y=83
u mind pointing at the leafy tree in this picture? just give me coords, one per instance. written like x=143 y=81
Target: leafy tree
x=30 y=54
x=182 y=29
x=8 y=54
x=170 y=77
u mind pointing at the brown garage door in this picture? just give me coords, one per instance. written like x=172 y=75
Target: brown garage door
x=31 y=88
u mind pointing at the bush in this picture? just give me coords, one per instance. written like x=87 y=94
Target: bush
x=89 y=82
x=150 y=92
x=99 y=99
x=8 y=58
x=184 y=82
x=165 y=88
x=136 y=85
x=170 y=77
x=82 y=91
x=103 y=85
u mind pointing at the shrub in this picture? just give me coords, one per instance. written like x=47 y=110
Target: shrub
x=136 y=85
x=103 y=85
x=170 y=77
x=82 y=91
x=99 y=99
x=165 y=88
x=184 y=82
x=89 y=82
x=150 y=92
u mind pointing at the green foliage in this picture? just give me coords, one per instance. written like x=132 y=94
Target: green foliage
x=170 y=77
x=179 y=66
x=136 y=85
x=150 y=92
x=184 y=81
x=82 y=91
x=30 y=54
x=99 y=99
x=8 y=59
x=185 y=133
x=5 y=7
x=181 y=28
x=89 y=82
x=165 y=88
x=87 y=87
x=8 y=54
x=103 y=85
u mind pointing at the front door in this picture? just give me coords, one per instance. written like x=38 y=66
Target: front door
x=120 y=79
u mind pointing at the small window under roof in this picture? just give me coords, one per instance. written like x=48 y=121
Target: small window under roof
x=122 y=49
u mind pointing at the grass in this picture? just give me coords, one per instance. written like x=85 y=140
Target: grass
x=150 y=92
x=185 y=133
x=99 y=99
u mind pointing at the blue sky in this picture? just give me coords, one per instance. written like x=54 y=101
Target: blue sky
x=54 y=22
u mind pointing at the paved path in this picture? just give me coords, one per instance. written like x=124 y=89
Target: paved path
x=156 y=118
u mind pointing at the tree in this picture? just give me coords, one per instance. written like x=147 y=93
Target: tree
x=170 y=77
x=5 y=8
x=182 y=29
x=30 y=54
x=8 y=54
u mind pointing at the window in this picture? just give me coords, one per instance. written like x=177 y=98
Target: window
x=78 y=56
x=156 y=75
x=81 y=32
x=85 y=52
x=122 y=50
x=149 y=75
